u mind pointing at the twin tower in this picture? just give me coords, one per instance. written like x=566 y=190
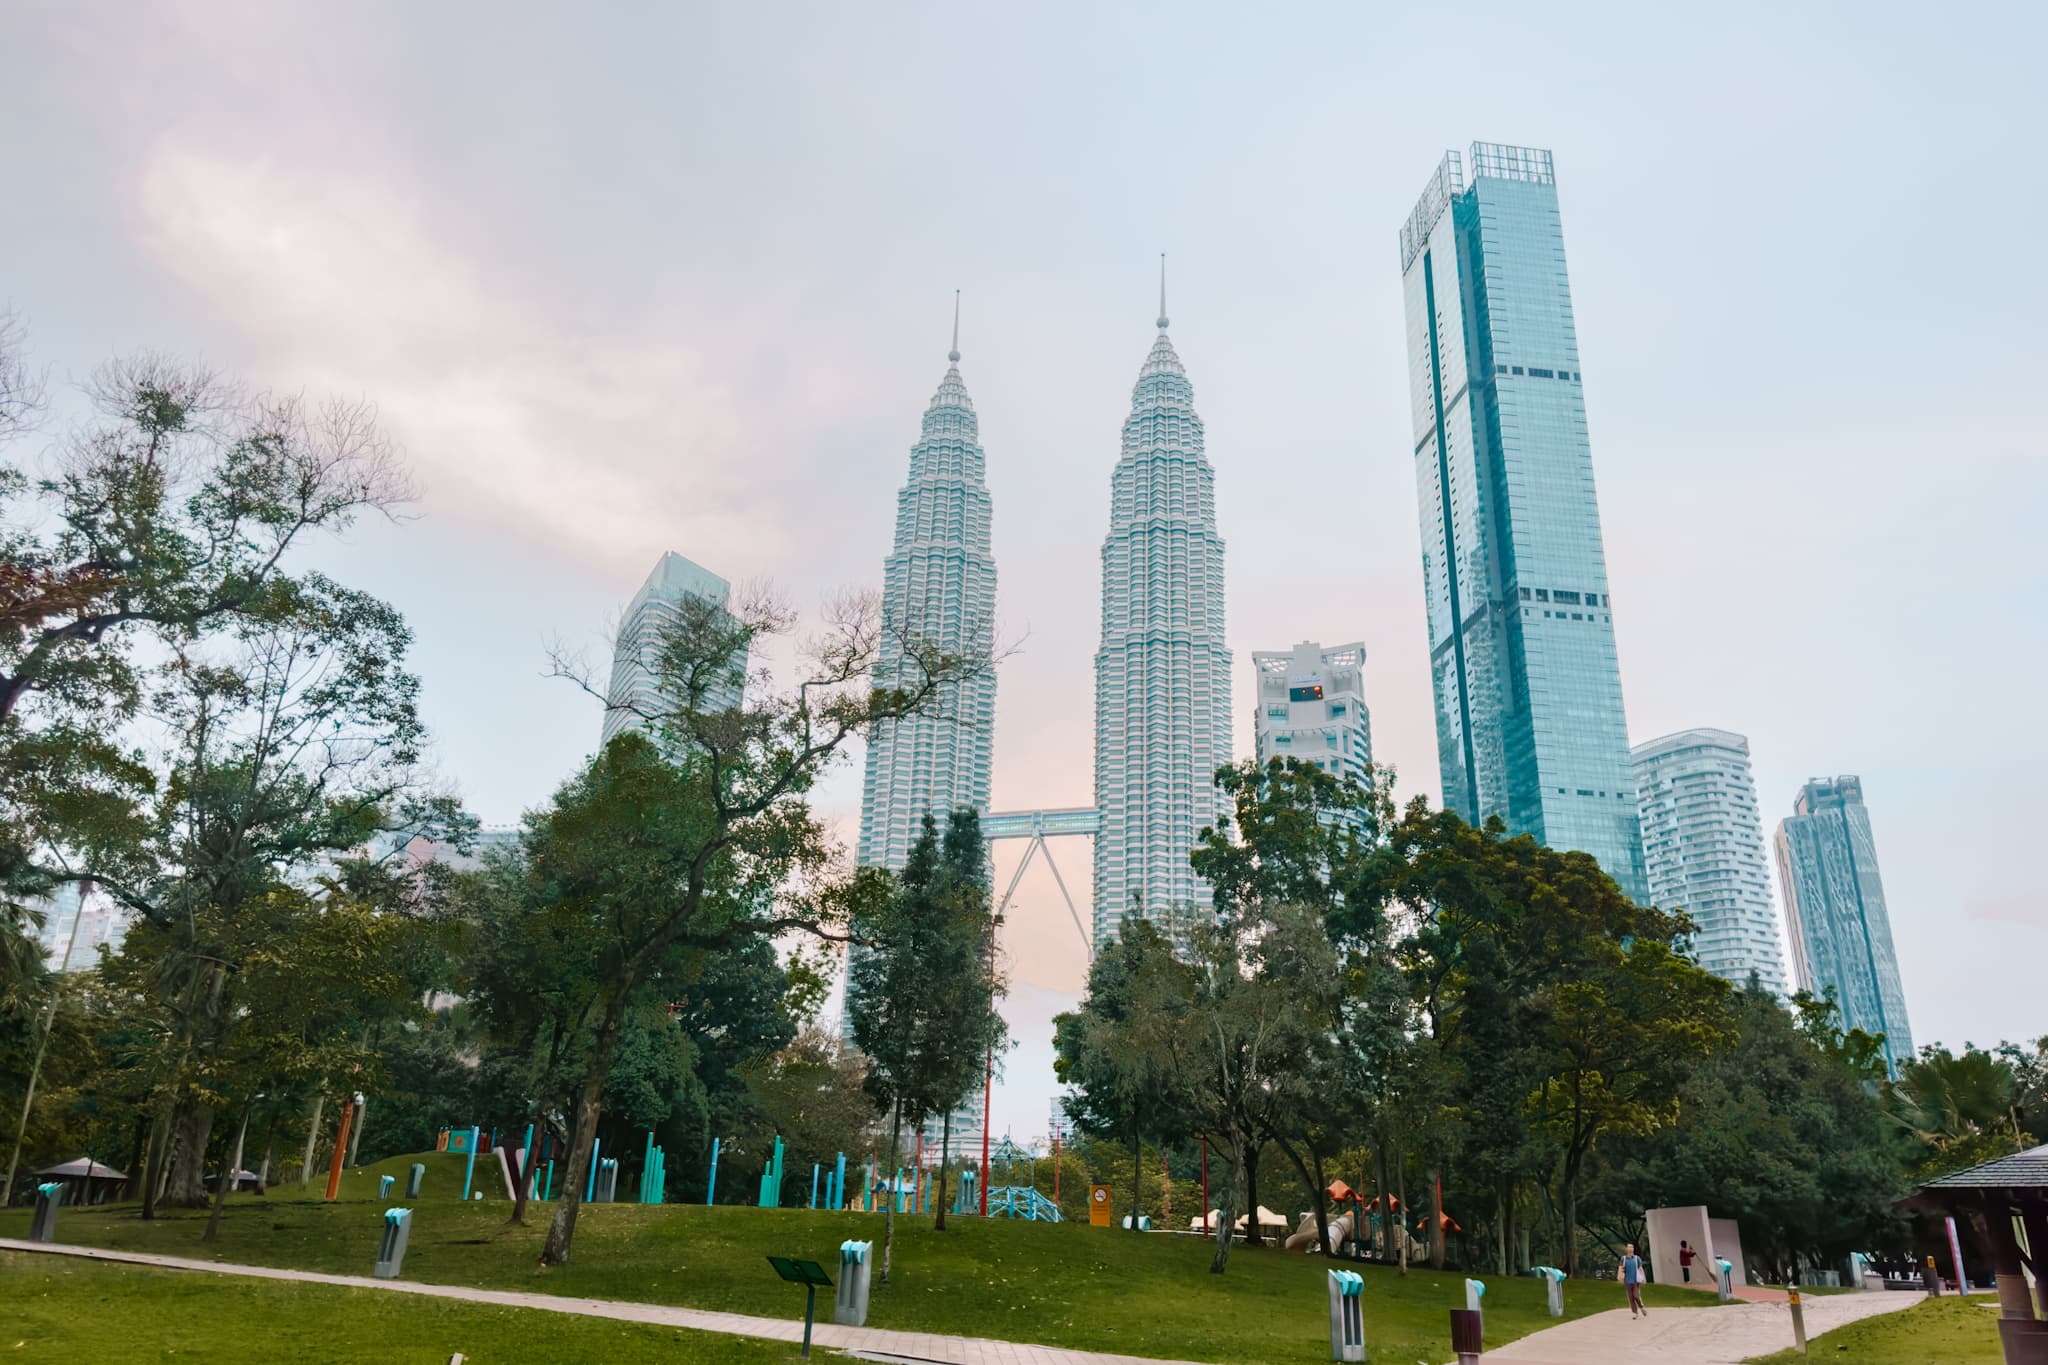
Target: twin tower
x=1162 y=671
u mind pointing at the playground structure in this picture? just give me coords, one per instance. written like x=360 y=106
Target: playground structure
x=1010 y=1200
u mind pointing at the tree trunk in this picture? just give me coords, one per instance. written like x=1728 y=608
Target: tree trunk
x=355 y=1132
x=269 y=1151
x=153 y=1166
x=228 y=1173
x=1436 y=1219
x=1314 y=1180
x=1320 y=1188
x=191 y=1129
x=1137 y=1178
x=1500 y=1233
x=312 y=1138
x=1252 y=1234
x=589 y=1100
x=1226 y=1217
x=1399 y=1220
x=1382 y=1196
x=1571 y=1225
x=522 y=1176
x=140 y=1152
x=945 y=1155
x=889 y=1175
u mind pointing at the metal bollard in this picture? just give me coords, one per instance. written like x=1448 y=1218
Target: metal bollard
x=42 y=1226
x=1798 y=1320
x=1475 y=1290
x=850 y=1308
x=1553 y=1288
x=391 y=1253
x=1724 y=1279
x=412 y=1182
x=384 y=1184
x=1347 y=1315
x=1468 y=1335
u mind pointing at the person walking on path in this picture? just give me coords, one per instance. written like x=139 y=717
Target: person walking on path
x=1685 y=1255
x=1631 y=1274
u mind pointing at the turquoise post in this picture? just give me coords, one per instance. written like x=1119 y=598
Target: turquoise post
x=646 y=1166
x=711 y=1188
x=551 y=1183
x=470 y=1169
x=839 y=1184
x=814 y=1184
x=590 y=1183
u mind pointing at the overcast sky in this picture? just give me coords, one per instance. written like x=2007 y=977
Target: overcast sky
x=632 y=279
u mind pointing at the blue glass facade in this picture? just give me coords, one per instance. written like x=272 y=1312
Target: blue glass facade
x=1835 y=913
x=1521 y=629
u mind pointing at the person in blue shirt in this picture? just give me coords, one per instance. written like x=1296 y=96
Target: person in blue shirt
x=1631 y=1274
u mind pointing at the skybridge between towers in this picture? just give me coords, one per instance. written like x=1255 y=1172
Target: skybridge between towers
x=1038 y=826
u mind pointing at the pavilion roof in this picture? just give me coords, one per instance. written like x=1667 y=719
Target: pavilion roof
x=2026 y=1170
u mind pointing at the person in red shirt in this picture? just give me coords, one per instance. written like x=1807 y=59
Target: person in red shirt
x=1685 y=1255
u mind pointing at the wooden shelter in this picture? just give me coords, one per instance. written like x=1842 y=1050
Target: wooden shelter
x=2006 y=1203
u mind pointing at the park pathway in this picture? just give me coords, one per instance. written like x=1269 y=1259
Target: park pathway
x=873 y=1342
x=1694 y=1336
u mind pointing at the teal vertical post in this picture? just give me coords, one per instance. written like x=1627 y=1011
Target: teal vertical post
x=646 y=1166
x=590 y=1183
x=526 y=1161
x=551 y=1183
x=814 y=1184
x=711 y=1188
x=896 y=1192
x=470 y=1169
x=839 y=1184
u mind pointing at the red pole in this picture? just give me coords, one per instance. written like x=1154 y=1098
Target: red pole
x=348 y=1115
x=988 y=1080
x=1205 y=1187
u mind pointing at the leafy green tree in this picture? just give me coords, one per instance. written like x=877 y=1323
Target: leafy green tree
x=921 y=988
x=1117 y=1053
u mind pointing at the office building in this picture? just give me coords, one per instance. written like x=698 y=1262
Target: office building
x=1310 y=705
x=1703 y=844
x=636 y=699
x=1162 y=672
x=1835 y=915
x=1521 y=626
x=938 y=586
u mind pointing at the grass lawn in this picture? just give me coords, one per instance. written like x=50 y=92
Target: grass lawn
x=79 y=1313
x=1058 y=1284
x=1944 y=1331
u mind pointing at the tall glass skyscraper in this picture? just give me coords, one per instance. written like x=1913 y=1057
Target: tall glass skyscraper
x=1521 y=627
x=1162 y=673
x=938 y=583
x=635 y=692
x=1835 y=912
x=1703 y=838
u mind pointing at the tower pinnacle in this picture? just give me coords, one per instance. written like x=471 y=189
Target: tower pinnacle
x=954 y=354
x=1162 y=291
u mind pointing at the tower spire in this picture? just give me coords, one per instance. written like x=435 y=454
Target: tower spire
x=954 y=354
x=1162 y=291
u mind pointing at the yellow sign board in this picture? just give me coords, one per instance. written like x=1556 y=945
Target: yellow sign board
x=1098 y=1206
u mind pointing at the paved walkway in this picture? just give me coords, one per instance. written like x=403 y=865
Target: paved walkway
x=1724 y=1335
x=869 y=1341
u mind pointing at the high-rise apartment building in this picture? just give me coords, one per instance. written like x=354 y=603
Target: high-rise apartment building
x=1521 y=626
x=1835 y=913
x=938 y=585
x=79 y=920
x=1311 y=706
x=1162 y=672
x=1703 y=841
x=636 y=692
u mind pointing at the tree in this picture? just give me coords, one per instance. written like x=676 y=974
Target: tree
x=921 y=987
x=699 y=840
x=1118 y=1053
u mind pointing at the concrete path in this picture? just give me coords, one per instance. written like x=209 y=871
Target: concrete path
x=873 y=1342
x=1694 y=1336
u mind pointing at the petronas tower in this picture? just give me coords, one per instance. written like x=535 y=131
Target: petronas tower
x=1162 y=673
x=939 y=582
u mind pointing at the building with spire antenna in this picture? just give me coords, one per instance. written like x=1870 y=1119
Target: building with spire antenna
x=1162 y=672
x=938 y=583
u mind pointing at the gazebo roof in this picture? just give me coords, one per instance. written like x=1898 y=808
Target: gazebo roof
x=99 y=1170
x=2026 y=1170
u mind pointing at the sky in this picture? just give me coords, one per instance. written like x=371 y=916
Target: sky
x=626 y=279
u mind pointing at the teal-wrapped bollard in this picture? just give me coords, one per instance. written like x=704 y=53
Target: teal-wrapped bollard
x=1347 y=1315
x=391 y=1252
x=384 y=1184
x=850 y=1308
x=412 y=1182
x=1475 y=1290
x=1724 y=1279
x=42 y=1225
x=607 y=1181
x=1553 y=1289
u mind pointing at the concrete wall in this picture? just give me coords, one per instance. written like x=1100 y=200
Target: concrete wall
x=1727 y=1243
x=1667 y=1227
